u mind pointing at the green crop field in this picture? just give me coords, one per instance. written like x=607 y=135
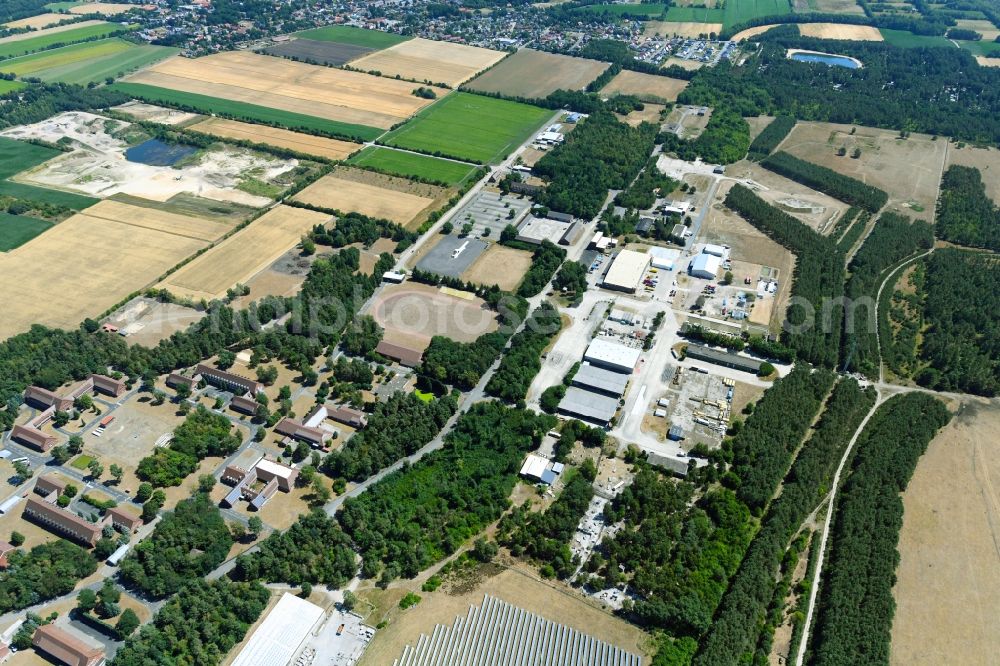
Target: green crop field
x=410 y=164
x=246 y=112
x=99 y=69
x=741 y=11
x=16 y=230
x=980 y=48
x=694 y=15
x=62 y=6
x=345 y=34
x=44 y=41
x=908 y=40
x=67 y=55
x=18 y=156
x=651 y=10
x=470 y=127
x=9 y=86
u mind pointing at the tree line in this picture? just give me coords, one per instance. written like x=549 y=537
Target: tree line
x=202 y=434
x=522 y=361
x=965 y=214
x=544 y=262
x=771 y=137
x=726 y=139
x=846 y=189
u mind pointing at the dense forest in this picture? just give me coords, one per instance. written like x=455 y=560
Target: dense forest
x=47 y=571
x=893 y=239
x=522 y=361
x=773 y=134
x=856 y=604
x=199 y=626
x=601 y=154
x=187 y=543
x=18 y=9
x=725 y=139
x=965 y=215
x=422 y=513
x=828 y=181
x=737 y=623
x=813 y=323
x=398 y=427
x=461 y=364
x=544 y=262
x=641 y=194
x=41 y=101
x=203 y=434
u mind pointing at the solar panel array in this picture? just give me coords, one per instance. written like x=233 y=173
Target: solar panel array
x=499 y=634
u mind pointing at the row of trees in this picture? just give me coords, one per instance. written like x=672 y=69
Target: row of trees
x=734 y=631
x=544 y=262
x=725 y=140
x=813 y=320
x=856 y=604
x=965 y=214
x=756 y=344
x=357 y=228
x=828 y=181
x=203 y=434
x=773 y=134
x=522 y=361
x=47 y=571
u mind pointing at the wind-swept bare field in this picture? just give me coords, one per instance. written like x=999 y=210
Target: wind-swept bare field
x=426 y=60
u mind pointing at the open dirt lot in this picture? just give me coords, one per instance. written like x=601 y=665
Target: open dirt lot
x=908 y=169
x=149 y=321
x=92 y=260
x=987 y=160
x=97 y=166
x=244 y=254
x=679 y=28
x=548 y=72
x=275 y=136
x=499 y=265
x=947 y=607
x=649 y=114
x=550 y=600
x=645 y=86
x=37 y=22
x=859 y=33
x=323 y=92
x=403 y=201
x=412 y=313
x=425 y=60
x=156 y=114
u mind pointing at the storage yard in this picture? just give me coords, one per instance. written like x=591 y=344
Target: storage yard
x=551 y=72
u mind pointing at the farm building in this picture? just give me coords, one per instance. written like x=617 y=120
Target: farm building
x=626 y=271
x=279 y=636
x=598 y=380
x=504 y=635
x=705 y=266
x=611 y=355
x=588 y=406
x=725 y=359
x=66 y=647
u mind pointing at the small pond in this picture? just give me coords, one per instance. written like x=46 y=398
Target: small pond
x=158 y=153
x=825 y=58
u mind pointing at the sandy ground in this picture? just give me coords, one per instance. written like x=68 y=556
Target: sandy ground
x=336 y=193
x=156 y=114
x=275 y=136
x=550 y=72
x=948 y=610
x=412 y=313
x=645 y=86
x=680 y=28
x=750 y=32
x=861 y=33
x=550 y=600
x=244 y=254
x=37 y=22
x=128 y=248
x=649 y=114
x=499 y=265
x=106 y=8
x=97 y=165
x=48 y=31
x=155 y=321
x=426 y=60
x=323 y=92
x=987 y=160
x=908 y=169
x=758 y=124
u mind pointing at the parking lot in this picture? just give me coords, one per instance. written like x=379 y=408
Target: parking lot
x=445 y=258
x=493 y=211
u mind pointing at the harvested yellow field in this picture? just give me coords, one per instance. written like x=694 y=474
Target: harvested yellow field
x=36 y=22
x=680 y=28
x=106 y=8
x=646 y=87
x=856 y=33
x=751 y=32
x=277 y=137
x=48 y=31
x=89 y=262
x=988 y=62
x=323 y=92
x=989 y=31
x=244 y=254
x=425 y=60
x=348 y=196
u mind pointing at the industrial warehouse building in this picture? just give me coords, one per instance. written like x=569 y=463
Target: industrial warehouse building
x=279 y=636
x=500 y=634
x=588 y=406
x=725 y=359
x=534 y=230
x=626 y=271
x=611 y=356
x=705 y=266
x=599 y=380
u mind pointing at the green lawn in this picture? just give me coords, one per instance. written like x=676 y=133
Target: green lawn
x=18 y=156
x=741 y=11
x=9 y=86
x=16 y=230
x=423 y=395
x=44 y=41
x=694 y=14
x=651 y=10
x=908 y=40
x=982 y=47
x=345 y=34
x=62 y=6
x=409 y=164
x=81 y=461
x=114 y=66
x=247 y=112
x=470 y=127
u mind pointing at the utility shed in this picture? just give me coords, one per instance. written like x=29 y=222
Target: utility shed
x=612 y=356
x=586 y=406
x=599 y=380
x=281 y=633
x=626 y=271
x=725 y=359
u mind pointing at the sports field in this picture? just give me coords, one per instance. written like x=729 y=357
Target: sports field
x=308 y=144
x=346 y=34
x=426 y=60
x=18 y=156
x=470 y=127
x=92 y=260
x=410 y=164
x=64 y=34
x=16 y=230
x=244 y=254
x=647 y=87
x=352 y=98
x=336 y=193
x=548 y=72
x=86 y=62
